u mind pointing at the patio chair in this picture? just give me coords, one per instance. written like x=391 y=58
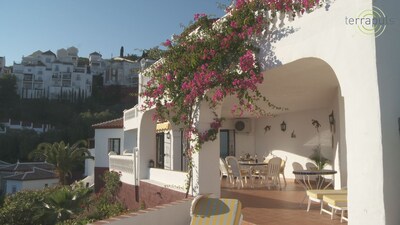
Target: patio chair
x=225 y=170
x=274 y=166
x=312 y=166
x=282 y=169
x=207 y=210
x=237 y=173
x=297 y=166
x=269 y=157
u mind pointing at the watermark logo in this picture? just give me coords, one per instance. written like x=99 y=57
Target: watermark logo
x=371 y=21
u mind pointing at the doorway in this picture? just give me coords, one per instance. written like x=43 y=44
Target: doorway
x=227 y=143
x=160 y=154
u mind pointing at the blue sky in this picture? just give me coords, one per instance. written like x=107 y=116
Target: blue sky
x=94 y=25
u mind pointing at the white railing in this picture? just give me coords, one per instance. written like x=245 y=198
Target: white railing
x=131 y=113
x=125 y=165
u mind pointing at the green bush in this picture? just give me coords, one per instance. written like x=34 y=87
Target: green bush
x=22 y=208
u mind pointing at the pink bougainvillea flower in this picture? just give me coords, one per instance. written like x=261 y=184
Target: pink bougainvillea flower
x=197 y=16
x=246 y=62
x=167 y=43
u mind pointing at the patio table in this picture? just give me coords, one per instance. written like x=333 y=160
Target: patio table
x=305 y=182
x=252 y=168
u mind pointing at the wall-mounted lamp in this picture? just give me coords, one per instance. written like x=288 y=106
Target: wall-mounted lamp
x=283 y=126
x=332 y=121
x=267 y=128
x=151 y=163
x=168 y=135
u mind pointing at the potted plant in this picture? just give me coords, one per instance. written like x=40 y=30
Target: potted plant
x=317 y=157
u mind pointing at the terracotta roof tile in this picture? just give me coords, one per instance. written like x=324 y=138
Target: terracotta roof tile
x=35 y=174
x=23 y=167
x=117 y=123
x=49 y=53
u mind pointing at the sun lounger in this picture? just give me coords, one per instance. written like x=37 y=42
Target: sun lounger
x=216 y=211
x=336 y=202
x=316 y=195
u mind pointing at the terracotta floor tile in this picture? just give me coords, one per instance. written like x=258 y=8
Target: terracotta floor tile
x=261 y=205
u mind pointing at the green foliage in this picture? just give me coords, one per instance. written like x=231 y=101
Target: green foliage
x=63 y=156
x=8 y=87
x=16 y=144
x=106 y=203
x=319 y=160
x=153 y=53
x=66 y=205
x=63 y=204
x=22 y=207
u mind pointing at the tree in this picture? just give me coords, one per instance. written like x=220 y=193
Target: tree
x=8 y=94
x=121 y=52
x=8 y=88
x=21 y=207
x=153 y=53
x=64 y=203
x=63 y=156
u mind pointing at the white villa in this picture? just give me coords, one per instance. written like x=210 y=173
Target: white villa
x=27 y=176
x=45 y=74
x=324 y=66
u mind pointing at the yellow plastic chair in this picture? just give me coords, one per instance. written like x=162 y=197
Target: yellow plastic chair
x=207 y=210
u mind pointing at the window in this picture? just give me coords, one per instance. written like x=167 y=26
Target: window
x=46 y=185
x=48 y=60
x=13 y=189
x=114 y=145
x=57 y=68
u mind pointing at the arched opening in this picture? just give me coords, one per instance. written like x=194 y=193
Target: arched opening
x=310 y=91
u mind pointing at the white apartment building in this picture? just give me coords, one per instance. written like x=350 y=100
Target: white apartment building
x=97 y=64
x=45 y=74
x=122 y=71
x=118 y=70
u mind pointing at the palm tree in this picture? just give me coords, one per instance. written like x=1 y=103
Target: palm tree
x=62 y=204
x=64 y=157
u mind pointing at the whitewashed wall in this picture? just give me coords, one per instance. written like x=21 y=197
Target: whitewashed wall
x=388 y=67
x=101 y=144
x=29 y=184
x=324 y=34
x=298 y=148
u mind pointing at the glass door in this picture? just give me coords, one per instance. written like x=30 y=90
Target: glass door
x=227 y=143
x=160 y=150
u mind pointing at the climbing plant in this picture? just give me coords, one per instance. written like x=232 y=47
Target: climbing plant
x=212 y=59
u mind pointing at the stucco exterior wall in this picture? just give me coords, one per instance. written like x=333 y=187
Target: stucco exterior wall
x=29 y=184
x=324 y=34
x=388 y=67
x=101 y=144
x=298 y=148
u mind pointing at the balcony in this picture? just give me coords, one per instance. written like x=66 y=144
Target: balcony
x=125 y=165
x=131 y=118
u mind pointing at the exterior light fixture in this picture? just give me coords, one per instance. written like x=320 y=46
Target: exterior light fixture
x=332 y=121
x=331 y=118
x=283 y=126
x=267 y=128
x=151 y=163
x=169 y=135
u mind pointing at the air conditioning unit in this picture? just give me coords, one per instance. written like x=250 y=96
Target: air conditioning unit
x=242 y=125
